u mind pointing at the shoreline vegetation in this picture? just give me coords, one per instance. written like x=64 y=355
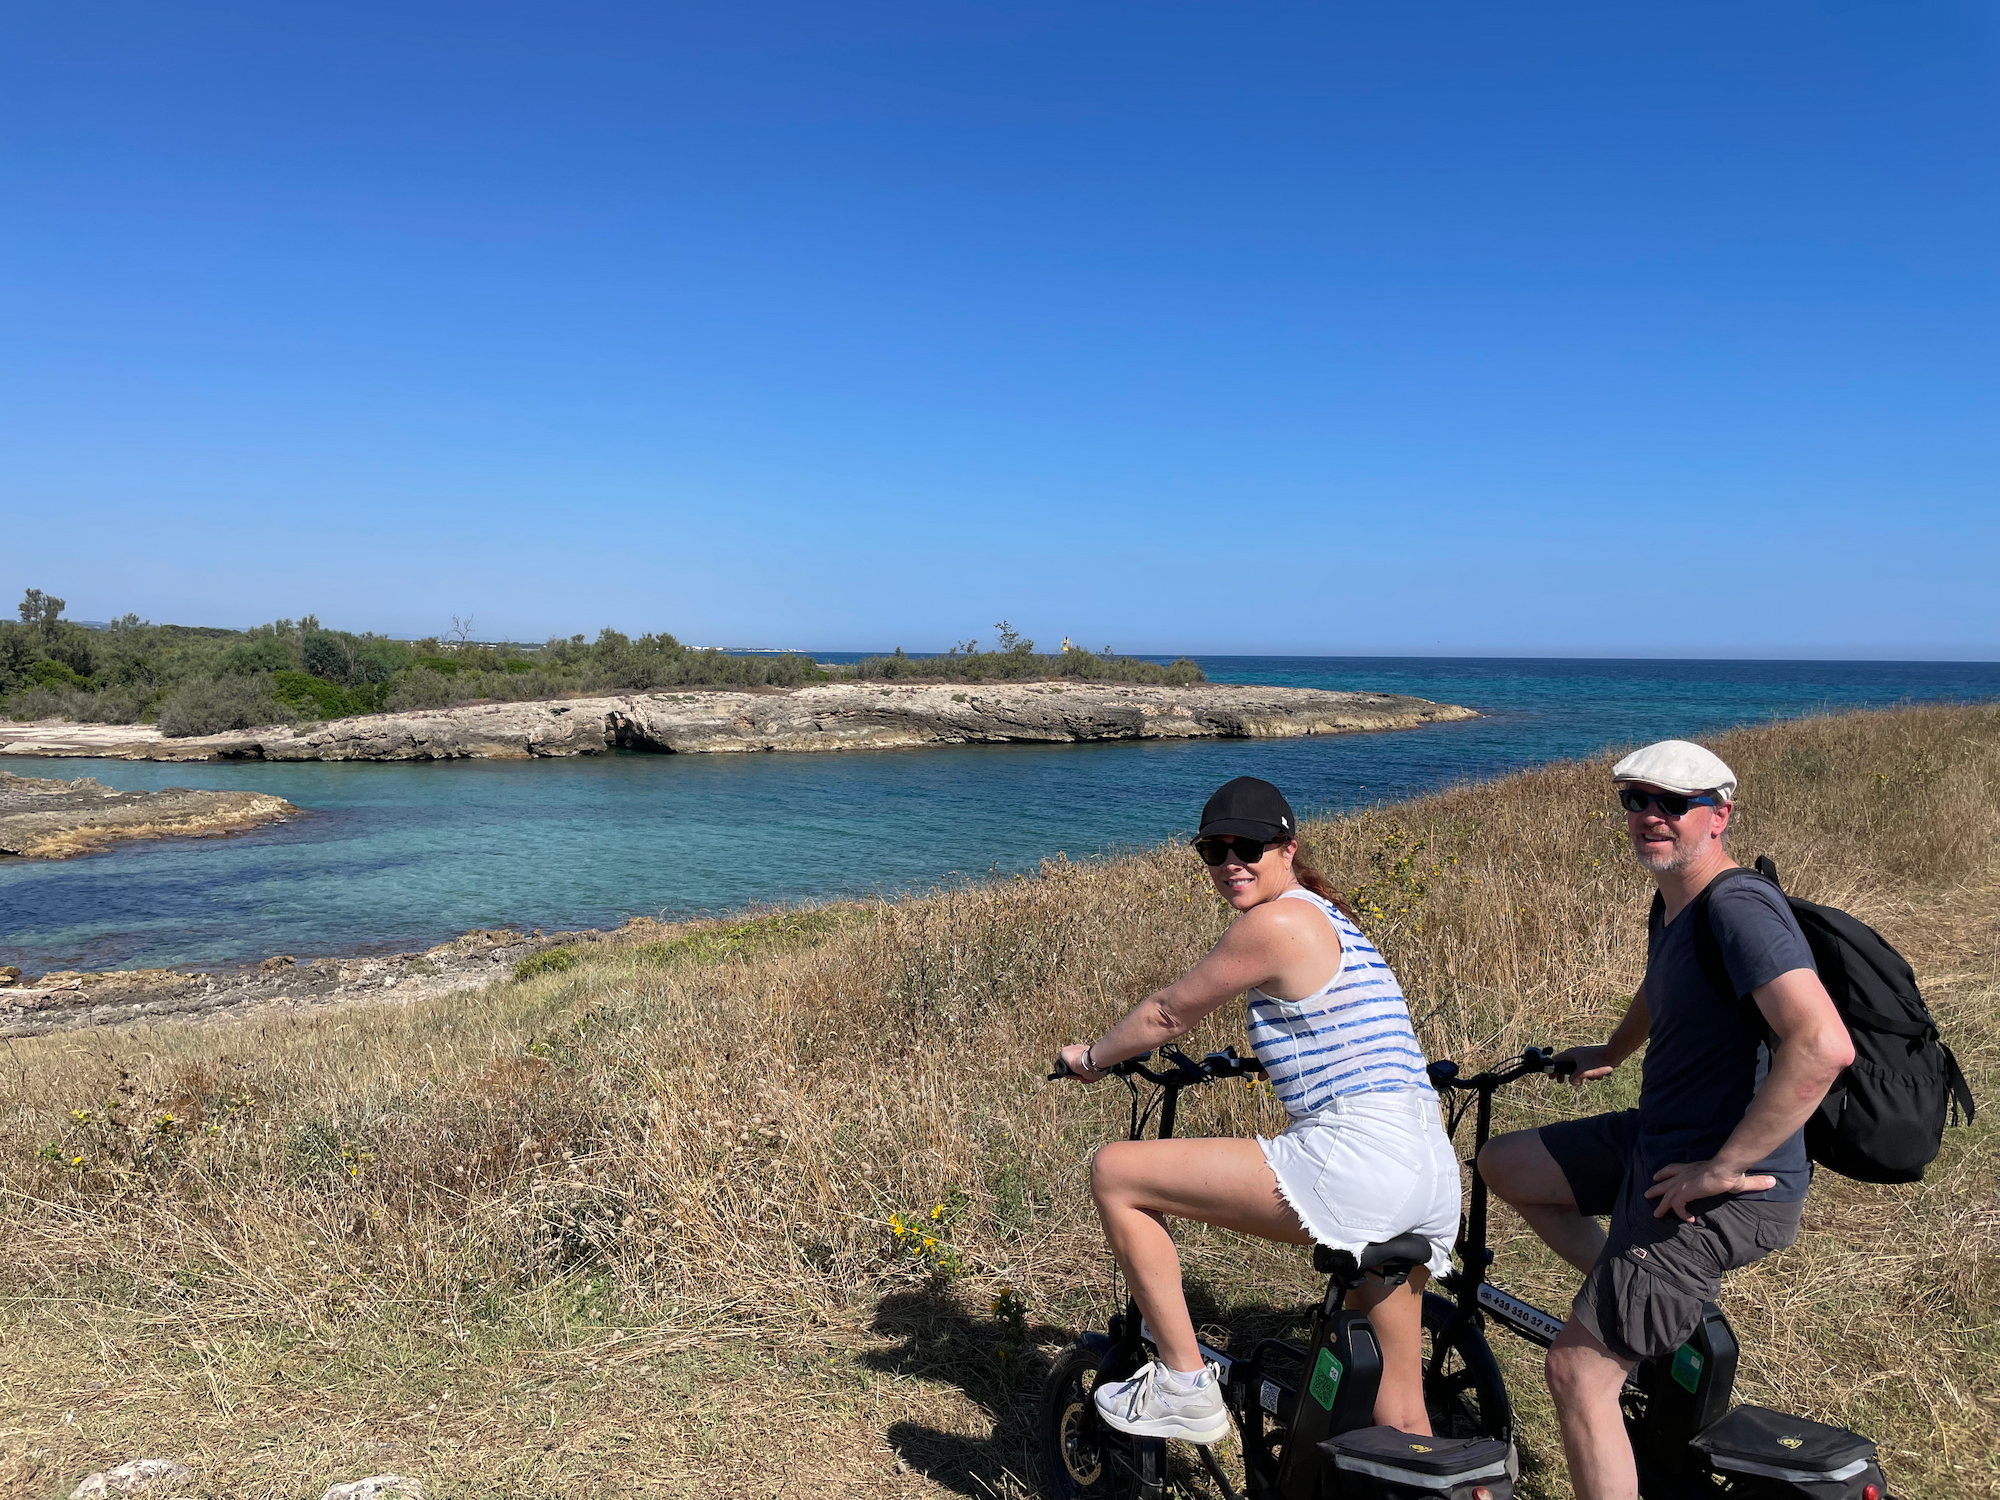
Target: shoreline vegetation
x=199 y=680
x=588 y=1227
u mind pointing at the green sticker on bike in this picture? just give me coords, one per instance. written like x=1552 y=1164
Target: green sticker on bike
x=1686 y=1368
x=1326 y=1379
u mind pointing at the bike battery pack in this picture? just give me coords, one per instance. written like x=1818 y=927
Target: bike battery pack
x=1775 y=1457
x=1685 y=1392
x=1385 y=1463
x=1342 y=1380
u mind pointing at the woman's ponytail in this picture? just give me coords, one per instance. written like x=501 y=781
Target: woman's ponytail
x=1308 y=875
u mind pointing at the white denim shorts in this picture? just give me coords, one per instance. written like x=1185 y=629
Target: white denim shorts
x=1369 y=1167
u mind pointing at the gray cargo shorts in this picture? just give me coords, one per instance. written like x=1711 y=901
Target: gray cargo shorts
x=1643 y=1297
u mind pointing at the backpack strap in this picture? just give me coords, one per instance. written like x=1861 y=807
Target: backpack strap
x=1956 y=1086
x=1707 y=951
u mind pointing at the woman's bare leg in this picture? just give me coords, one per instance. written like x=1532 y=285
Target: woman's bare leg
x=1397 y=1316
x=1138 y=1185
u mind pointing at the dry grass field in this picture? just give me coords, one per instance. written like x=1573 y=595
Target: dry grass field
x=629 y=1226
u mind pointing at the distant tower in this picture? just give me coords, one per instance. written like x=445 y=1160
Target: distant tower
x=1066 y=645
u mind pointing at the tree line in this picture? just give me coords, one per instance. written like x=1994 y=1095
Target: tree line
x=192 y=679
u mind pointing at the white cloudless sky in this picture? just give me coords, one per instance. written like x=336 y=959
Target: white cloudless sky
x=1549 y=328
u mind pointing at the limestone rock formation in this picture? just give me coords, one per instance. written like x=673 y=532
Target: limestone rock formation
x=377 y=1487
x=141 y=1476
x=829 y=716
x=48 y=819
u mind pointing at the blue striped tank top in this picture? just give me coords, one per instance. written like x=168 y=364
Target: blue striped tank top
x=1351 y=1036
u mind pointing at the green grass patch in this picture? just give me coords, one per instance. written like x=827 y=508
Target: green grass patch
x=788 y=929
x=549 y=961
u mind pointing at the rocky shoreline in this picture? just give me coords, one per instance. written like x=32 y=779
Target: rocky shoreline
x=830 y=716
x=69 y=1000
x=42 y=818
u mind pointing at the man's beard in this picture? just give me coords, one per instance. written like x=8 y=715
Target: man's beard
x=1685 y=853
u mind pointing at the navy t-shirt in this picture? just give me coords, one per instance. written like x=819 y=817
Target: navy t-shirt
x=1705 y=1056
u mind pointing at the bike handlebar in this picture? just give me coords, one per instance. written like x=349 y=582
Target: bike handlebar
x=1182 y=1070
x=1444 y=1073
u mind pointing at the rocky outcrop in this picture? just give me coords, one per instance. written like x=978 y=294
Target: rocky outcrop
x=47 y=819
x=71 y=999
x=831 y=716
x=141 y=1476
x=377 y=1487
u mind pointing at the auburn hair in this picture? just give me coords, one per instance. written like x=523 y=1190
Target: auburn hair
x=1307 y=874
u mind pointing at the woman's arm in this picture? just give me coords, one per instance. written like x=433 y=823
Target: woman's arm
x=1251 y=952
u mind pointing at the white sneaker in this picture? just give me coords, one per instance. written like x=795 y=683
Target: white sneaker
x=1153 y=1403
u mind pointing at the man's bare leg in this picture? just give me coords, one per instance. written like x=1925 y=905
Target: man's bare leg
x=1518 y=1168
x=1585 y=1379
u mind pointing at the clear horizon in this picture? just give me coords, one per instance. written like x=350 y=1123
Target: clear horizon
x=1562 y=332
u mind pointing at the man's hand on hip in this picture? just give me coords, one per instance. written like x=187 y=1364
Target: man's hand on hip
x=1677 y=1186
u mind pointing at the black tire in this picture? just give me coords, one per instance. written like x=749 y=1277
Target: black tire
x=1081 y=1458
x=1463 y=1393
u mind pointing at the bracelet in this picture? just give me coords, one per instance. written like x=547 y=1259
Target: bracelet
x=1089 y=1059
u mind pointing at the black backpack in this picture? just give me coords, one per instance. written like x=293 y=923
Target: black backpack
x=1884 y=1117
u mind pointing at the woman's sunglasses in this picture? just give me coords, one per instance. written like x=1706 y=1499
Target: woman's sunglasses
x=1214 y=851
x=1672 y=804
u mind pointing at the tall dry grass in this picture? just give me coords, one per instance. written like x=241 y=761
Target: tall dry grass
x=629 y=1224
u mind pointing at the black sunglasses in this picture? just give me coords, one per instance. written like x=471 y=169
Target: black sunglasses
x=1673 y=804
x=1215 y=850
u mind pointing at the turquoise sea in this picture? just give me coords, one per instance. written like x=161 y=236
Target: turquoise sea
x=398 y=857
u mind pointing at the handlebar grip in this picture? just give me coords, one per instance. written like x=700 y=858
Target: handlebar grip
x=1563 y=1067
x=1062 y=1071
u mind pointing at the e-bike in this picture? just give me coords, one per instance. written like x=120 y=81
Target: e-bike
x=1688 y=1441
x=1305 y=1412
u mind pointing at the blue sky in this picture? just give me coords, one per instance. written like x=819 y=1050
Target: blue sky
x=1321 y=328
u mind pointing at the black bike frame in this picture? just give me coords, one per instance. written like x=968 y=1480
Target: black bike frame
x=1476 y=1297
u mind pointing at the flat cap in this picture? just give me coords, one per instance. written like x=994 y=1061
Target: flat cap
x=1678 y=766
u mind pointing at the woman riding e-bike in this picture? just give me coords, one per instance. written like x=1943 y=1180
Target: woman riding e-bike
x=1364 y=1159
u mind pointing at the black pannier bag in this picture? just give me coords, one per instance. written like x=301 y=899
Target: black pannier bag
x=1384 y=1463
x=1884 y=1117
x=1770 y=1456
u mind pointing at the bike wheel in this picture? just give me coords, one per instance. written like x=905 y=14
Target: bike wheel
x=1463 y=1391
x=1082 y=1459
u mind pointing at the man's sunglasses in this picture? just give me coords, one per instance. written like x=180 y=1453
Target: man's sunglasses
x=1214 y=851
x=1673 y=804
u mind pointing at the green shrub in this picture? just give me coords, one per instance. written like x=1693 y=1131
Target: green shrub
x=304 y=692
x=56 y=674
x=44 y=703
x=1020 y=664
x=215 y=707
x=247 y=658
x=548 y=961
x=423 y=688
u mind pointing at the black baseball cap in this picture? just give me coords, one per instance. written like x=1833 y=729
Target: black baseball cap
x=1249 y=808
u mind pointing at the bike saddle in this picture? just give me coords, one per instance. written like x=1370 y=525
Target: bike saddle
x=1397 y=1257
